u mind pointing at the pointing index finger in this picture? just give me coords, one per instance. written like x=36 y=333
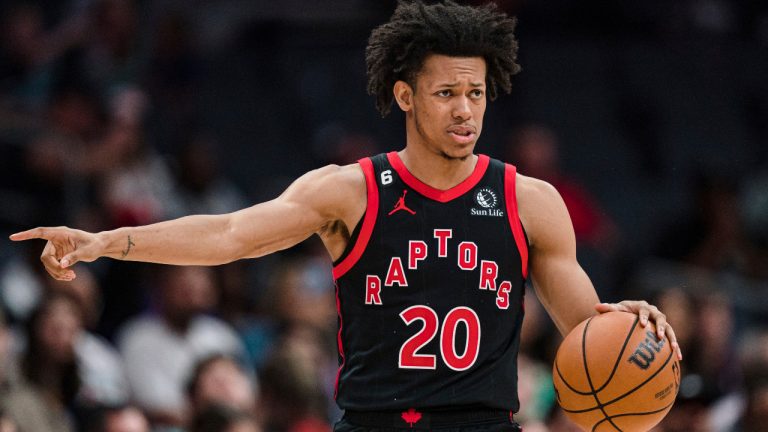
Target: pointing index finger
x=34 y=233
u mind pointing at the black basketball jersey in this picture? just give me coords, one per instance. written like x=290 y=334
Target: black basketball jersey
x=430 y=291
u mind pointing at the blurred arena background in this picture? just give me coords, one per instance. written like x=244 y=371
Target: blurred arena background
x=650 y=117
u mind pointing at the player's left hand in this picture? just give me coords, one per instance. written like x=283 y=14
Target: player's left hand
x=646 y=312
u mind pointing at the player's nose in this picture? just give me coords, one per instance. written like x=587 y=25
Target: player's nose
x=461 y=109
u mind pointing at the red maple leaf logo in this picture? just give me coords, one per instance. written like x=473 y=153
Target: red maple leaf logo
x=411 y=416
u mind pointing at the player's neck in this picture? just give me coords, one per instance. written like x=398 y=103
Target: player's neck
x=436 y=170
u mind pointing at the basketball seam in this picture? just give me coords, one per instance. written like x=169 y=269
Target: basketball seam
x=613 y=372
x=562 y=378
x=631 y=414
x=618 y=398
x=621 y=354
x=589 y=377
x=661 y=368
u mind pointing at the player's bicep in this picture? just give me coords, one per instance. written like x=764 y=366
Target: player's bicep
x=296 y=214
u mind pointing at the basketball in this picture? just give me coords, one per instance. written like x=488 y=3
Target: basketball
x=612 y=374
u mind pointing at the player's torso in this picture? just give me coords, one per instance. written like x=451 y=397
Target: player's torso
x=430 y=292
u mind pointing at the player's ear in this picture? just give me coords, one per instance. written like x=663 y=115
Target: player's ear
x=403 y=95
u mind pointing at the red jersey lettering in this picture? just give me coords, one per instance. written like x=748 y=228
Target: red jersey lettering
x=372 y=290
x=442 y=236
x=489 y=270
x=396 y=273
x=417 y=251
x=467 y=255
x=502 y=296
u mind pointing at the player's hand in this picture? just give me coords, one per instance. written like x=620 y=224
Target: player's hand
x=65 y=247
x=646 y=312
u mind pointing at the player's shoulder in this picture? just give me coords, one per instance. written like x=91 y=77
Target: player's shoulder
x=541 y=208
x=536 y=191
x=330 y=188
x=337 y=176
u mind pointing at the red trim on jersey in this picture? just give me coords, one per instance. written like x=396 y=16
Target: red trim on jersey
x=341 y=346
x=510 y=194
x=369 y=220
x=439 y=194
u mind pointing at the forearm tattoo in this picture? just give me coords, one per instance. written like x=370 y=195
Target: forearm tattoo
x=128 y=249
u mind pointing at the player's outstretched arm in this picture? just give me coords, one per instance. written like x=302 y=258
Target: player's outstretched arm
x=561 y=284
x=316 y=200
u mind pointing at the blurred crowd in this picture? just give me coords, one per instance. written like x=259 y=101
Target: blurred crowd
x=104 y=123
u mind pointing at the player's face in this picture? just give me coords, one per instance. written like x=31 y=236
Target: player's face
x=448 y=104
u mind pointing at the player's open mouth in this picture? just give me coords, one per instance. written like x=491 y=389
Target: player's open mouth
x=463 y=139
x=462 y=134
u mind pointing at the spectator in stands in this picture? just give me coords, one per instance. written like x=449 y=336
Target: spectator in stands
x=43 y=399
x=754 y=207
x=8 y=367
x=111 y=57
x=756 y=379
x=301 y=301
x=60 y=159
x=557 y=421
x=22 y=286
x=120 y=418
x=220 y=380
x=292 y=396
x=535 y=391
x=681 y=312
x=222 y=418
x=338 y=144
x=27 y=52
x=160 y=350
x=239 y=306
x=535 y=151
x=201 y=188
x=713 y=235
x=756 y=413
x=711 y=384
x=6 y=423
x=101 y=370
x=298 y=294
x=689 y=414
x=21 y=49
x=301 y=293
x=102 y=373
x=538 y=345
x=4 y=342
x=173 y=74
x=139 y=186
x=713 y=352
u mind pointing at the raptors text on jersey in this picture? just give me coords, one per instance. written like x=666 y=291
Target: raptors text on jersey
x=430 y=291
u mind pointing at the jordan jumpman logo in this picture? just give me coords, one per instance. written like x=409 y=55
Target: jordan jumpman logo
x=400 y=205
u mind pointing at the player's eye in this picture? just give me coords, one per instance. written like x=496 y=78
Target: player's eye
x=476 y=93
x=443 y=93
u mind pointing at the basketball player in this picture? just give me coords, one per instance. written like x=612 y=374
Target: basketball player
x=431 y=244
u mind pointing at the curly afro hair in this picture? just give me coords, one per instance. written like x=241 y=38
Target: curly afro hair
x=397 y=49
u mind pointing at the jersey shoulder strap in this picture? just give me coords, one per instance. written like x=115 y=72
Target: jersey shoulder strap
x=513 y=215
x=355 y=251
